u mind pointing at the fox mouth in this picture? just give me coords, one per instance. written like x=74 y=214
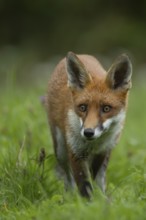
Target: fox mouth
x=86 y=140
x=92 y=134
x=91 y=139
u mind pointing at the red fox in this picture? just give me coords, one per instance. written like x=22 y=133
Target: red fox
x=86 y=108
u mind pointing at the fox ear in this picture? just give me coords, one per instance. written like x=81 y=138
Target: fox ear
x=119 y=75
x=78 y=77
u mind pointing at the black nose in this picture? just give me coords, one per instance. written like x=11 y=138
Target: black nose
x=89 y=132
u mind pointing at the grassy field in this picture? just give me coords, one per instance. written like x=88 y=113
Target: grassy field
x=29 y=188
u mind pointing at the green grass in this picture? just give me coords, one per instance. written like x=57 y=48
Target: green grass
x=29 y=188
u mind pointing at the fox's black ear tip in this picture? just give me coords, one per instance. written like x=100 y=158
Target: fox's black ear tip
x=124 y=58
x=70 y=54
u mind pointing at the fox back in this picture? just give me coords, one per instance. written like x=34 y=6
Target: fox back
x=86 y=108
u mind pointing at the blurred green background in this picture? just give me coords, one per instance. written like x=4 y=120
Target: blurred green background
x=34 y=35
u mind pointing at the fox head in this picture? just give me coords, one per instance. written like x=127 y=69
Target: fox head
x=99 y=99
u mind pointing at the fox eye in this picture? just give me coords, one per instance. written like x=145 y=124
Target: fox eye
x=106 y=108
x=83 y=107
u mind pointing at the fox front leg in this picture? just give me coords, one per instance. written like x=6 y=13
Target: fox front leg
x=81 y=175
x=98 y=169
